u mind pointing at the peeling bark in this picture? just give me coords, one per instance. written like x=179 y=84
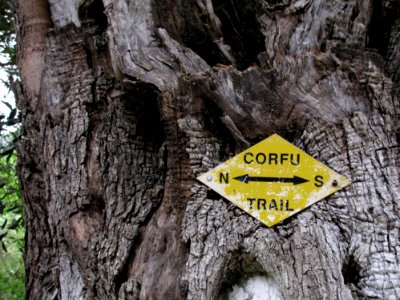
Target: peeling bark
x=33 y=22
x=137 y=98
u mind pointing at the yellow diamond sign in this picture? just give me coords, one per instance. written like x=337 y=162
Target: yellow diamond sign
x=273 y=180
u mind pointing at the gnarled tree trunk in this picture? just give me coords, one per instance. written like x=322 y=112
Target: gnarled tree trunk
x=127 y=101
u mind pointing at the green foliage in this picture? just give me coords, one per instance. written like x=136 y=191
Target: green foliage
x=11 y=220
x=10 y=204
x=8 y=62
x=7 y=37
x=10 y=201
x=12 y=267
x=11 y=231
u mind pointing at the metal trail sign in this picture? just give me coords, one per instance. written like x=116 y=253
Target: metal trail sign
x=273 y=180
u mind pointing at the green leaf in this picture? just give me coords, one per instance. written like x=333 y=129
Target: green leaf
x=7 y=104
x=15 y=224
x=8 y=51
x=3 y=245
x=2 y=235
x=4 y=224
x=12 y=114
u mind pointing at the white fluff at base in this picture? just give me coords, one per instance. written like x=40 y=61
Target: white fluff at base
x=256 y=288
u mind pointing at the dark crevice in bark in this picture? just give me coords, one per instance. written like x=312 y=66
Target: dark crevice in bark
x=241 y=30
x=393 y=53
x=212 y=195
x=384 y=14
x=95 y=206
x=351 y=271
x=196 y=29
x=92 y=15
x=140 y=107
x=354 y=13
x=124 y=274
x=190 y=26
x=94 y=28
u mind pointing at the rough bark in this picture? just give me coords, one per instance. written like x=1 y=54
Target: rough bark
x=137 y=98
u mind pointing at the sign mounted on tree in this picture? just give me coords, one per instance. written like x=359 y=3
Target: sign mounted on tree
x=273 y=180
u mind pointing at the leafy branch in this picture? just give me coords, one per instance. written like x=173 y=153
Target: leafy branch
x=10 y=201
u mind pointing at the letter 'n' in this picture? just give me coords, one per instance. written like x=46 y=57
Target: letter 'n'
x=224 y=177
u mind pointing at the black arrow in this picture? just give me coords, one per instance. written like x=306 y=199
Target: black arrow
x=295 y=180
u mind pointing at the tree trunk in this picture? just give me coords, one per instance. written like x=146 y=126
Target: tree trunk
x=135 y=99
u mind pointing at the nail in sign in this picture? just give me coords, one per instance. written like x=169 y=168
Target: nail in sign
x=273 y=180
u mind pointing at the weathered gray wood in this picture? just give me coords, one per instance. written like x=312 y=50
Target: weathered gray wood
x=137 y=98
